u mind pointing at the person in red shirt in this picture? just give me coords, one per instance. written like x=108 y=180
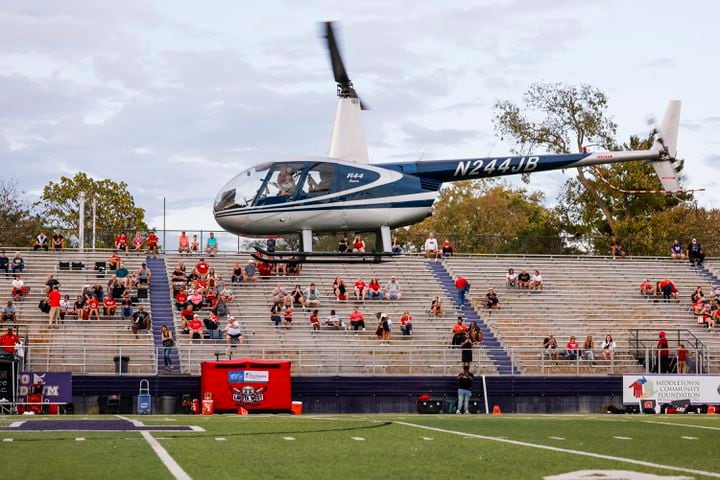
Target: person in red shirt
x=181 y=300
x=152 y=244
x=374 y=289
x=183 y=243
x=646 y=288
x=357 y=320
x=54 y=298
x=314 y=322
x=459 y=332
x=406 y=323
x=571 y=349
x=196 y=327
x=664 y=351
x=93 y=305
x=202 y=267
x=109 y=305
x=463 y=287
x=114 y=260
x=447 y=248
x=121 y=242
x=681 y=358
x=8 y=341
x=360 y=289
x=288 y=316
x=186 y=315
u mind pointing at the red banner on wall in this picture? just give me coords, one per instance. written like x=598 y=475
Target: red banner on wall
x=249 y=383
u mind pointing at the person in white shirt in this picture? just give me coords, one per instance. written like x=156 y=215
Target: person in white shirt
x=431 y=247
x=18 y=288
x=511 y=278
x=537 y=280
x=608 y=348
x=233 y=332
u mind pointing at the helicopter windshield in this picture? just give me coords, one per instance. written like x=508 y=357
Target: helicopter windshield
x=240 y=192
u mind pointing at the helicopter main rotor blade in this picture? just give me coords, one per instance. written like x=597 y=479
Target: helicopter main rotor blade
x=341 y=76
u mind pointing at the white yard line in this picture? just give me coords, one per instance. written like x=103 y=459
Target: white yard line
x=687 y=425
x=623 y=438
x=17 y=424
x=359 y=439
x=556 y=438
x=566 y=450
x=136 y=423
x=169 y=462
x=689 y=438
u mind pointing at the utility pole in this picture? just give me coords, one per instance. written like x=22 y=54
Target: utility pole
x=81 y=220
x=94 y=217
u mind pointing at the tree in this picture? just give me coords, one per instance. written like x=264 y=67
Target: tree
x=562 y=118
x=116 y=210
x=488 y=216
x=19 y=224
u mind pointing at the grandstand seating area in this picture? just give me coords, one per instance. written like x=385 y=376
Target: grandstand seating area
x=582 y=296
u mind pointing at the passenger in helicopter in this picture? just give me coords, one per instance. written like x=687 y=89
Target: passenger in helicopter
x=285 y=182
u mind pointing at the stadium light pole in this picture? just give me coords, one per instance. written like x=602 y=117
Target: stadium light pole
x=164 y=230
x=81 y=220
x=94 y=217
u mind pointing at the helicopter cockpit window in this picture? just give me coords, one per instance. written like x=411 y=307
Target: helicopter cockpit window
x=240 y=192
x=283 y=181
x=319 y=180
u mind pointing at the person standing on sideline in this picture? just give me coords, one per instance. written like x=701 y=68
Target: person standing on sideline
x=54 y=302
x=463 y=287
x=664 y=351
x=167 y=342
x=465 y=382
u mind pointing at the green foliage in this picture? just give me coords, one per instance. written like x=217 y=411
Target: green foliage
x=116 y=210
x=487 y=216
x=18 y=224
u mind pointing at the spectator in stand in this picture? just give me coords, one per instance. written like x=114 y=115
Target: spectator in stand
x=676 y=251
x=357 y=319
x=195 y=327
x=114 y=260
x=491 y=300
x=616 y=249
x=211 y=323
x=168 y=341
x=360 y=290
x=406 y=323
x=681 y=358
x=50 y=283
x=436 y=307
x=18 y=289
x=523 y=279
x=18 y=263
x=392 y=290
x=298 y=297
x=396 y=248
x=183 y=243
x=126 y=307
x=137 y=242
x=152 y=244
x=9 y=312
x=707 y=316
x=79 y=308
x=233 y=332
x=358 y=244
x=109 y=306
x=227 y=295
x=275 y=316
x=211 y=248
x=7 y=343
x=339 y=289
x=4 y=262
x=474 y=333
x=196 y=299
x=250 y=272
x=608 y=348
x=511 y=278
x=181 y=300
x=122 y=275
x=65 y=307
x=386 y=325
x=646 y=288
x=537 y=281
x=41 y=242
x=698 y=306
x=465 y=382
x=698 y=294
x=447 y=248
x=143 y=275
x=312 y=297
x=280 y=296
x=669 y=290
x=431 y=247
x=194 y=244
x=333 y=321
x=459 y=332
x=121 y=242
x=58 y=241
x=294 y=267
x=463 y=287
x=588 y=349
x=237 y=273
x=695 y=253
x=186 y=315
x=343 y=244
x=571 y=349
x=374 y=291
x=550 y=347
x=93 y=306
x=54 y=298
x=202 y=268
x=664 y=352
x=288 y=316
x=314 y=322
x=140 y=321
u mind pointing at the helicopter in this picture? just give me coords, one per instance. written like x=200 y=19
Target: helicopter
x=343 y=191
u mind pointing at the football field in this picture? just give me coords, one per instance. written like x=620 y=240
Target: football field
x=360 y=446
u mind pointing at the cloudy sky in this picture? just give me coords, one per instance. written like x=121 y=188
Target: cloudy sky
x=176 y=97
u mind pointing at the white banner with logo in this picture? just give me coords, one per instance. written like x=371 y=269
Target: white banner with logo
x=700 y=389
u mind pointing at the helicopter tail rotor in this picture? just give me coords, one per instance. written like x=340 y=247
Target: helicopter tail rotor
x=668 y=167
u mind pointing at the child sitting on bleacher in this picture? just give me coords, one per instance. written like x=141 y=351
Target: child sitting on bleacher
x=646 y=288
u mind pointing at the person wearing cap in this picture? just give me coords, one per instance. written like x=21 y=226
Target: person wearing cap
x=195 y=326
x=250 y=272
x=392 y=289
x=664 y=353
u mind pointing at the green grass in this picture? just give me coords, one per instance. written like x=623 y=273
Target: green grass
x=322 y=447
